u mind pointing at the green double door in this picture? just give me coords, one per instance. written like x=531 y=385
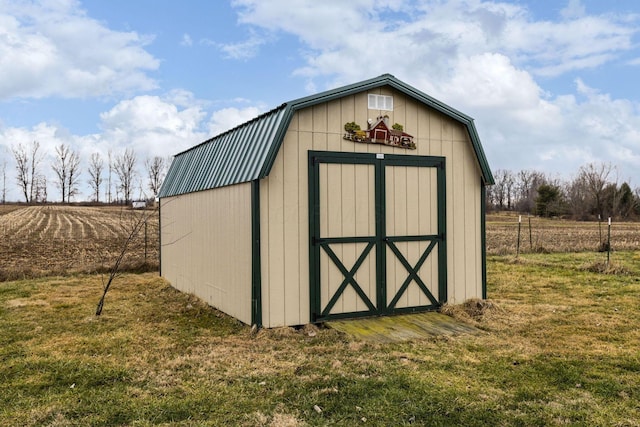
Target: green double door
x=377 y=234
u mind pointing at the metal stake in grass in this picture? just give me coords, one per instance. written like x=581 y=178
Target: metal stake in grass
x=600 y=229
x=145 y=241
x=530 y=238
x=518 y=245
x=609 y=242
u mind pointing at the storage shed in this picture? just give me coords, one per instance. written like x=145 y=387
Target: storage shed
x=364 y=200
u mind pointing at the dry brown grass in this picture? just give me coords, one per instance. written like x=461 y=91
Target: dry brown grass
x=558 y=347
x=52 y=239
x=556 y=302
x=472 y=310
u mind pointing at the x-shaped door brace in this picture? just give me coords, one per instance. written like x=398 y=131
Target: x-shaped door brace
x=413 y=272
x=348 y=277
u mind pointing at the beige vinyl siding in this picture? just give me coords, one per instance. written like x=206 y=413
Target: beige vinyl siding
x=284 y=199
x=206 y=246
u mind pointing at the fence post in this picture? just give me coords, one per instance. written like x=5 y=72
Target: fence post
x=530 y=238
x=518 y=246
x=609 y=242
x=145 y=241
x=600 y=229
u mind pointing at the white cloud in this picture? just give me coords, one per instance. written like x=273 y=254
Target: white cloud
x=245 y=49
x=150 y=125
x=228 y=118
x=54 y=49
x=186 y=40
x=434 y=33
x=574 y=9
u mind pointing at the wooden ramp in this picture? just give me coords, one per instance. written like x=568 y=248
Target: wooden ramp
x=387 y=329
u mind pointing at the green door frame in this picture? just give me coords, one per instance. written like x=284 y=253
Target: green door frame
x=381 y=241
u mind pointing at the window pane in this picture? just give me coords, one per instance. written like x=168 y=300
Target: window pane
x=380 y=102
x=372 y=102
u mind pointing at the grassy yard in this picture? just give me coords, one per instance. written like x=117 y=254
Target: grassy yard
x=559 y=345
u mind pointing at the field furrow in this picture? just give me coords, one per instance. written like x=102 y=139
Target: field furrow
x=44 y=233
x=52 y=239
x=66 y=226
x=59 y=225
x=88 y=229
x=77 y=226
x=12 y=221
x=40 y=224
x=26 y=221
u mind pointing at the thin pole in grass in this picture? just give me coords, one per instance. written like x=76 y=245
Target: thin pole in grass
x=145 y=241
x=609 y=242
x=530 y=238
x=600 y=228
x=518 y=245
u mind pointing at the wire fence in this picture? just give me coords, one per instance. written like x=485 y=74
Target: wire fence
x=507 y=235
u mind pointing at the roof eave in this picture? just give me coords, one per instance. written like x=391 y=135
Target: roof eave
x=383 y=80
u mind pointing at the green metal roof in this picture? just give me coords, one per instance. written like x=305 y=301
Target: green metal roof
x=247 y=152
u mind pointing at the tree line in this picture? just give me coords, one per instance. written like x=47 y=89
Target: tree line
x=594 y=192
x=117 y=179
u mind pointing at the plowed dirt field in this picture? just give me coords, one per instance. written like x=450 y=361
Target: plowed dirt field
x=51 y=239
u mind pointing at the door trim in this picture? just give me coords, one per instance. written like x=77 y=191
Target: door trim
x=380 y=240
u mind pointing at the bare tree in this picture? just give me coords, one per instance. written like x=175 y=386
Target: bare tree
x=40 y=189
x=526 y=189
x=595 y=178
x=509 y=187
x=74 y=175
x=22 y=169
x=36 y=159
x=502 y=192
x=578 y=198
x=27 y=162
x=96 y=165
x=61 y=168
x=156 y=169
x=125 y=168
x=4 y=180
x=110 y=164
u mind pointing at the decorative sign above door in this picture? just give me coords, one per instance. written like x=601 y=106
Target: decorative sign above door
x=379 y=132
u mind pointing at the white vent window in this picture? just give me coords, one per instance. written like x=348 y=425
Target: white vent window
x=380 y=102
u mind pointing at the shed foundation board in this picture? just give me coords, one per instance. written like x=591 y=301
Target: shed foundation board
x=388 y=329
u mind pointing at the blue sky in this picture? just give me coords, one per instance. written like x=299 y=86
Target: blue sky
x=552 y=85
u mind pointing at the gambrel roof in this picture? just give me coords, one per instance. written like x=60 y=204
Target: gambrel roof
x=247 y=152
